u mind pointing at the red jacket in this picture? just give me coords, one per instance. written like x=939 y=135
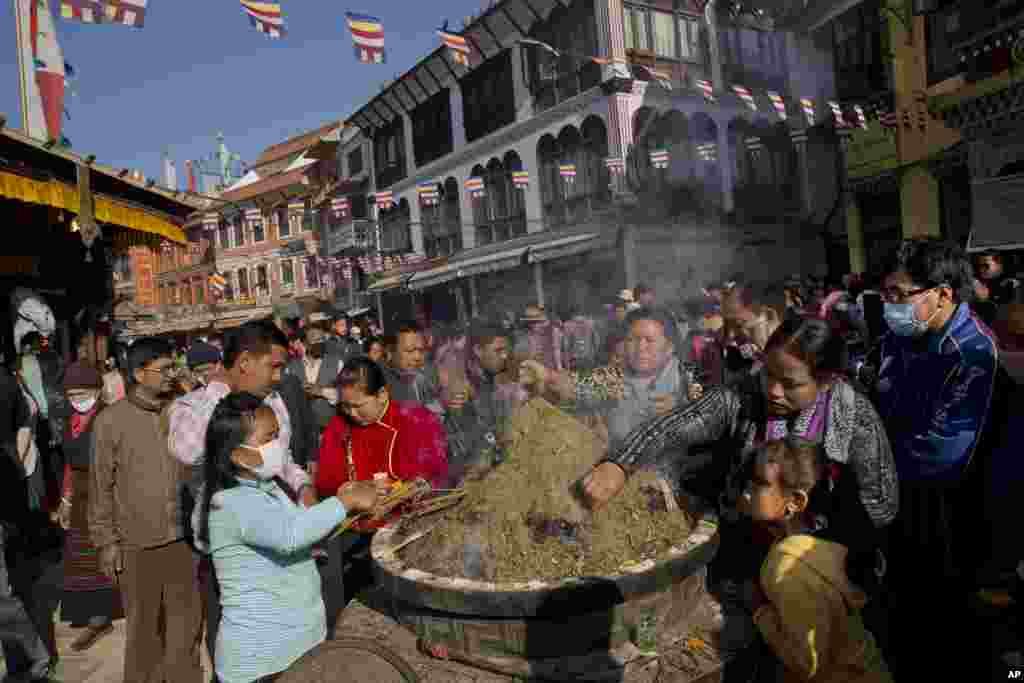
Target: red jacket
x=407 y=442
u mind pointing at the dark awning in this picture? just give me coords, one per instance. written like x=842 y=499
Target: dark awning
x=998 y=204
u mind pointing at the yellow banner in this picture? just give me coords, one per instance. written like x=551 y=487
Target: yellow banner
x=64 y=196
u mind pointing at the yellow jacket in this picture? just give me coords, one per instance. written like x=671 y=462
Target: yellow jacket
x=812 y=620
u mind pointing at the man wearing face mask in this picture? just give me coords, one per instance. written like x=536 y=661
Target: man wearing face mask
x=936 y=378
x=204 y=361
x=318 y=371
x=135 y=522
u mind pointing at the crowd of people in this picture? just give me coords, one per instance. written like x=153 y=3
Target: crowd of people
x=855 y=437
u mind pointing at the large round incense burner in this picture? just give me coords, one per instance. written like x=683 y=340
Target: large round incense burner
x=520 y=577
x=461 y=596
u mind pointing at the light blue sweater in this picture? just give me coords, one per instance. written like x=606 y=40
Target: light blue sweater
x=273 y=612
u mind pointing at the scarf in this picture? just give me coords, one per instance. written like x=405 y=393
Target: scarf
x=809 y=424
x=81 y=421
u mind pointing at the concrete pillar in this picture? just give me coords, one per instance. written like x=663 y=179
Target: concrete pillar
x=799 y=138
x=538 y=281
x=458 y=118
x=410 y=155
x=726 y=165
x=531 y=195
x=416 y=222
x=855 y=236
x=466 y=214
x=919 y=202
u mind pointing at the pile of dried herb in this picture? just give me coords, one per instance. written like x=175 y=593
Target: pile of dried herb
x=520 y=521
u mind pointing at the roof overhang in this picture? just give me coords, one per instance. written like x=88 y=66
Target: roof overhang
x=533 y=249
x=498 y=28
x=822 y=12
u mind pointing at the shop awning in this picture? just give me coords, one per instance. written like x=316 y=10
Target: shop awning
x=386 y=284
x=535 y=248
x=64 y=196
x=997 y=204
x=561 y=248
x=501 y=260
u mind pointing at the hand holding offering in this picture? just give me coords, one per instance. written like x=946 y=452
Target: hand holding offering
x=358 y=496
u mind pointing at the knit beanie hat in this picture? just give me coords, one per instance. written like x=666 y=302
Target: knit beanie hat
x=81 y=375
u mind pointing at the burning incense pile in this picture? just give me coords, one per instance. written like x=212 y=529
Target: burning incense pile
x=520 y=521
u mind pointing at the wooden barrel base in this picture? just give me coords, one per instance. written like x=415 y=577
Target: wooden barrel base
x=697 y=651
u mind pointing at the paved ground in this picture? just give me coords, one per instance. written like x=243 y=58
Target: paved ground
x=103 y=663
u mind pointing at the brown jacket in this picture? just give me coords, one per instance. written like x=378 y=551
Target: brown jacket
x=135 y=484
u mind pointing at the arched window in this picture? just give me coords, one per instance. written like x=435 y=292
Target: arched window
x=576 y=192
x=551 y=185
x=481 y=209
x=516 y=203
x=497 y=184
x=394 y=228
x=442 y=223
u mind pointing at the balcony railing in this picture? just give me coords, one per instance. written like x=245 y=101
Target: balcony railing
x=987 y=36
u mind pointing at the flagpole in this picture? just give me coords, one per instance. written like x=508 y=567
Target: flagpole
x=21 y=66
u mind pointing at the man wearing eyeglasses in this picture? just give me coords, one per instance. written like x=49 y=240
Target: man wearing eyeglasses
x=936 y=380
x=135 y=522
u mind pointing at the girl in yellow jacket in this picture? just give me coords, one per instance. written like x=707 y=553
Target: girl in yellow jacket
x=804 y=605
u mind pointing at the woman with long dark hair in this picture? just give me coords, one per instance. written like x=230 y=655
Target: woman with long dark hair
x=261 y=543
x=802 y=393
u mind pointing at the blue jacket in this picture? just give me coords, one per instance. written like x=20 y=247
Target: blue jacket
x=935 y=396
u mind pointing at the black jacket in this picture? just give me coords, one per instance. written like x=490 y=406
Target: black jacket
x=724 y=426
x=304 y=443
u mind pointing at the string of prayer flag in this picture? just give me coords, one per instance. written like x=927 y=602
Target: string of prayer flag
x=368 y=37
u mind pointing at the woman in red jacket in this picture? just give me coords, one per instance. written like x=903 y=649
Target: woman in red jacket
x=374 y=434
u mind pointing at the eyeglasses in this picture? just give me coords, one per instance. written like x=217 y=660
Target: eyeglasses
x=895 y=295
x=166 y=371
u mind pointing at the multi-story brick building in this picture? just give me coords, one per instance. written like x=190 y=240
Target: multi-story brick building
x=563 y=91
x=714 y=178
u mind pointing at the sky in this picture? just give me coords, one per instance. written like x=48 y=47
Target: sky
x=198 y=68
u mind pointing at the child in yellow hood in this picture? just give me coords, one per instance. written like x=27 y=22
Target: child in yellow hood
x=804 y=604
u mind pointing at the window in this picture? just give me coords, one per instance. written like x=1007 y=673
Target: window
x=488 y=98
x=664 y=26
x=312 y=273
x=262 y=281
x=243 y=283
x=861 y=71
x=668 y=35
x=258 y=233
x=941 y=34
x=284 y=229
x=355 y=161
x=309 y=217
x=394 y=229
x=389 y=153
x=564 y=203
x=239 y=230
x=224 y=235
x=359 y=206
x=637 y=37
x=442 y=224
x=571 y=31
x=287 y=273
x=432 y=128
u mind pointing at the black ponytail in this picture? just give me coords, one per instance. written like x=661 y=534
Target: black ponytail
x=230 y=427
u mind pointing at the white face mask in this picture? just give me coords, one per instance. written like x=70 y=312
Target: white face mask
x=83 y=404
x=272 y=454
